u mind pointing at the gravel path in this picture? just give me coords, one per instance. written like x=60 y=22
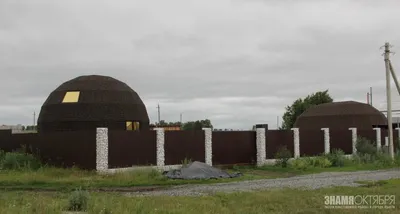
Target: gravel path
x=314 y=181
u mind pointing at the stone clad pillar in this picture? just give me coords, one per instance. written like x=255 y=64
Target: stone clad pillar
x=260 y=143
x=296 y=141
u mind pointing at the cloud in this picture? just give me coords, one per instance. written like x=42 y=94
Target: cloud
x=235 y=62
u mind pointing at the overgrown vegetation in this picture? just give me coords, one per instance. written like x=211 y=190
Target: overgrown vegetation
x=367 y=155
x=19 y=161
x=282 y=156
x=309 y=162
x=336 y=157
x=78 y=200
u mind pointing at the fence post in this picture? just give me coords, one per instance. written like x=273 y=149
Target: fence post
x=327 y=145
x=296 y=141
x=354 y=139
x=208 y=145
x=102 y=149
x=386 y=141
x=378 y=138
x=160 y=155
x=260 y=145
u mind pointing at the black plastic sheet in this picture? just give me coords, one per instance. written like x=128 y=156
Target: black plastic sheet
x=199 y=170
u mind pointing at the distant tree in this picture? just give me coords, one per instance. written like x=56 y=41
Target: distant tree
x=163 y=123
x=300 y=105
x=197 y=125
x=30 y=128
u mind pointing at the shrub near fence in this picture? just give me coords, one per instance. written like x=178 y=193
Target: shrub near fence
x=233 y=147
x=131 y=148
x=181 y=145
x=276 y=139
x=341 y=139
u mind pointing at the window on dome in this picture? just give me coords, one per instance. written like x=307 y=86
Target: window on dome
x=129 y=125
x=71 y=97
x=132 y=125
x=135 y=125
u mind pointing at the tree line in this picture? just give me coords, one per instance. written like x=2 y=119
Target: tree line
x=189 y=125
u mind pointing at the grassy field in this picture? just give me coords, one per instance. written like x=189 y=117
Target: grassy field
x=67 y=179
x=274 y=201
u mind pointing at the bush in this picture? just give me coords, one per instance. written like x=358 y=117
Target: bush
x=365 y=146
x=283 y=155
x=322 y=161
x=19 y=161
x=397 y=160
x=382 y=159
x=336 y=157
x=78 y=200
x=154 y=174
x=318 y=161
x=300 y=163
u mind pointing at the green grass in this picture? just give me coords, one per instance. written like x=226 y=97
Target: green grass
x=372 y=183
x=67 y=179
x=273 y=201
x=289 y=171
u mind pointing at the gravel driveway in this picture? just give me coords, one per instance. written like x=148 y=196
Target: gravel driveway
x=314 y=181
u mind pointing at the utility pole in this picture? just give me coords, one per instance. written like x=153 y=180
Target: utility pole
x=181 y=118
x=34 y=120
x=370 y=94
x=158 y=107
x=277 y=122
x=389 y=99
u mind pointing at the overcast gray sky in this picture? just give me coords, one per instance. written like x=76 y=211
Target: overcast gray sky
x=236 y=62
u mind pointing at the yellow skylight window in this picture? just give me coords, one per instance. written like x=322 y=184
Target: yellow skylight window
x=71 y=97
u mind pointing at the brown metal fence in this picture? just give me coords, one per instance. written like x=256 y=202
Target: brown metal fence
x=369 y=134
x=311 y=142
x=63 y=149
x=234 y=147
x=341 y=139
x=131 y=148
x=276 y=139
x=181 y=145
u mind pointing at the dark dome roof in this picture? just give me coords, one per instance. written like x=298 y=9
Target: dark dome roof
x=102 y=101
x=341 y=115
